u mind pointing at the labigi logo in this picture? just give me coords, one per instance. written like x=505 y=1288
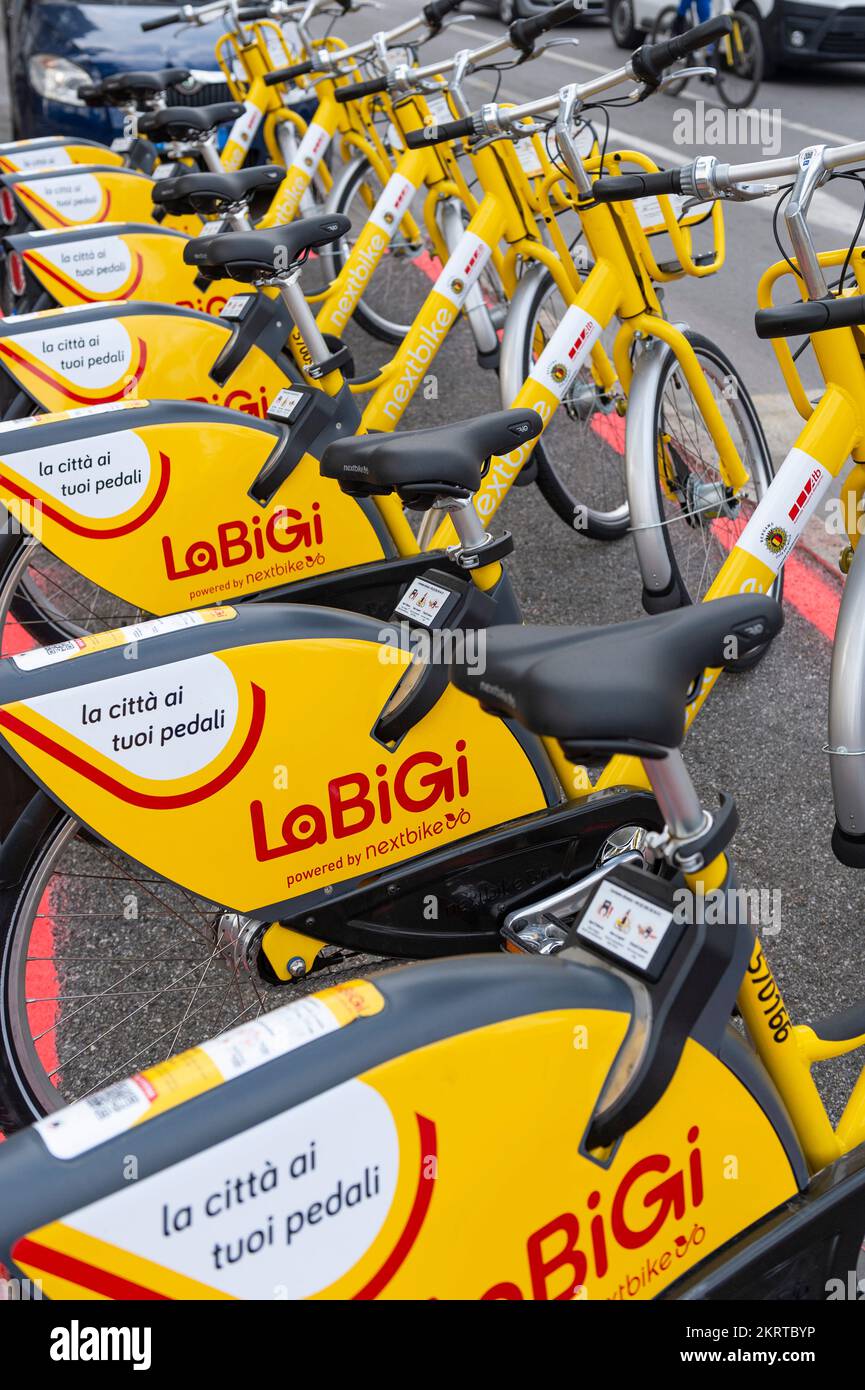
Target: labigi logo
x=239 y=542
x=356 y=802
x=566 y=1255
x=253 y=402
x=420 y=355
x=361 y=267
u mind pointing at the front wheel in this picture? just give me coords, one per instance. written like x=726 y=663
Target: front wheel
x=579 y=457
x=394 y=292
x=698 y=519
x=738 y=62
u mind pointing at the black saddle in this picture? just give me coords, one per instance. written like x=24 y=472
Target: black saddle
x=188 y=122
x=619 y=687
x=254 y=256
x=132 y=88
x=212 y=194
x=421 y=465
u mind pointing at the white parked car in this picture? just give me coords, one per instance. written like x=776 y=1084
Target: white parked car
x=509 y=10
x=821 y=31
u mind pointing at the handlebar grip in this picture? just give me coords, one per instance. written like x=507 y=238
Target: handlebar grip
x=523 y=32
x=355 y=90
x=651 y=61
x=273 y=79
x=439 y=134
x=814 y=316
x=162 y=23
x=621 y=188
x=436 y=10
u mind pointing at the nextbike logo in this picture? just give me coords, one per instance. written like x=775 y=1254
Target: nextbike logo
x=568 y=1253
x=239 y=542
x=806 y=493
x=354 y=803
x=503 y=470
x=429 y=341
x=77 y=1343
x=240 y=400
x=291 y=190
x=363 y=263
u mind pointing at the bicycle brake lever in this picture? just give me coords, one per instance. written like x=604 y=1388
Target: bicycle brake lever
x=681 y=73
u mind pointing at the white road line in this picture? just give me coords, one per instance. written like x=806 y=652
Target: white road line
x=830 y=136
x=827 y=211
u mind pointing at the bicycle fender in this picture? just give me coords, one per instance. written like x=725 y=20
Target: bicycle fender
x=232 y=750
x=150 y=502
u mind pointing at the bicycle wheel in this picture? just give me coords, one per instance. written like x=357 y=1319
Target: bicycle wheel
x=47 y=600
x=699 y=518
x=401 y=280
x=107 y=968
x=580 y=454
x=667 y=25
x=738 y=62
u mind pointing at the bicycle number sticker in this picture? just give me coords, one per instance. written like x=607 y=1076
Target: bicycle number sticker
x=119 y=637
x=117 y=1108
x=782 y=515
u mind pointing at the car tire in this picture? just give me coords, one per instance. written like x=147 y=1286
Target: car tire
x=621 y=13
x=770 y=64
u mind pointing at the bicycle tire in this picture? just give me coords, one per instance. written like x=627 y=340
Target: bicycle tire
x=674 y=492
x=745 y=50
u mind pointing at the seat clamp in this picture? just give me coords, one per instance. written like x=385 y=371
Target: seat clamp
x=335 y=362
x=486 y=552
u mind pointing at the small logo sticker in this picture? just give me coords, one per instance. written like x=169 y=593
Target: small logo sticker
x=775 y=539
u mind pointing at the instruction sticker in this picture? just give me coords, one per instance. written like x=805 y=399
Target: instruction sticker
x=117 y=1108
x=422 y=602
x=627 y=926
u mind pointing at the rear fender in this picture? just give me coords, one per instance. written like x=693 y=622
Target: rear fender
x=151 y=502
x=231 y=752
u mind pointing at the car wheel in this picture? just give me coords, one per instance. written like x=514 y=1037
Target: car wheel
x=770 y=65
x=621 y=14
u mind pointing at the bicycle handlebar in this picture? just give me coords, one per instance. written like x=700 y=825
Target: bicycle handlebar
x=436 y=11
x=620 y=188
x=439 y=134
x=272 y=79
x=355 y=90
x=814 y=316
x=650 y=61
x=523 y=32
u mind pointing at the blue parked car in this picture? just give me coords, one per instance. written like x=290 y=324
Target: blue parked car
x=55 y=46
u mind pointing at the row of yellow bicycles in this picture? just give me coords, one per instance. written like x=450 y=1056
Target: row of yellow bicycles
x=270 y=716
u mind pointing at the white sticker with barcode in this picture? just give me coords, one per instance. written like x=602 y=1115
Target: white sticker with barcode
x=40 y=657
x=528 y=157
x=439 y=109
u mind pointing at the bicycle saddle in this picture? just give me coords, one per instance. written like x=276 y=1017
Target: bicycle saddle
x=188 y=122
x=616 y=686
x=421 y=465
x=132 y=88
x=211 y=193
x=249 y=256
